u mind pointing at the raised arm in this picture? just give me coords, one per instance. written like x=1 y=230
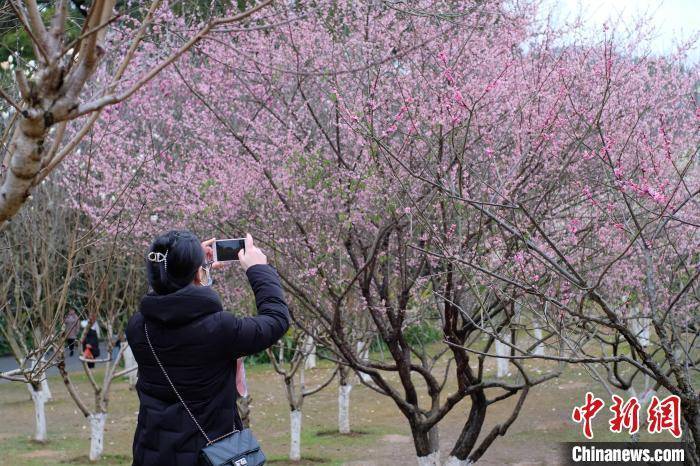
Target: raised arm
x=250 y=335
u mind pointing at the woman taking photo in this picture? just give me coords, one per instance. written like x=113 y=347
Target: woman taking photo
x=198 y=343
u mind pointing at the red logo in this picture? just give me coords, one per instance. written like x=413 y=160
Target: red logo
x=661 y=415
x=664 y=415
x=626 y=416
x=587 y=412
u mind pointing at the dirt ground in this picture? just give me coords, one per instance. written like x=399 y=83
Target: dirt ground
x=381 y=436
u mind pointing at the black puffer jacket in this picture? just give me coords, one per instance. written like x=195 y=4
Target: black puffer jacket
x=198 y=343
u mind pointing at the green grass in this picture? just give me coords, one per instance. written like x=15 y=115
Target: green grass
x=383 y=438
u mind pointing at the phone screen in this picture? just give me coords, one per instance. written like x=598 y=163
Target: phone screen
x=227 y=249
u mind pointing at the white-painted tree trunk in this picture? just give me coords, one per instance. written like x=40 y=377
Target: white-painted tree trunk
x=432 y=459
x=129 y=362
x=344 y=408
x=678 y=353
x=44 y=383
x=97 y=434
x=539 y=349
x=310 y=352
x=295 y=432
x=45 y=388
x=280 y=356
x=640 y=328
x=39 y=398
x=454 y=461
x=363 y=354
x=502 y=349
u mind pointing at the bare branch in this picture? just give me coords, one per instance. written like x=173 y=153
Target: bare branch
x=101 y=102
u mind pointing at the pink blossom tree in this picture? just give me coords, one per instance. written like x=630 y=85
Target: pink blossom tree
x=306 y=119
x=445 y=165
x=58 y=88
x=589 y=176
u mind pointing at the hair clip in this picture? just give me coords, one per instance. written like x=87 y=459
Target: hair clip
x=159 y=257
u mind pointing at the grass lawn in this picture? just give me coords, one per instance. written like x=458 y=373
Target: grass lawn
x=381 y=436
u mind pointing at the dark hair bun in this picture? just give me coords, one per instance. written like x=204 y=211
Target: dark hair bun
x=184 y=257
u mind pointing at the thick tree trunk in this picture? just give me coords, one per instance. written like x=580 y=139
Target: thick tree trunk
x=97 y=434
x=433 y=459
x=129 y=362
x=26 y=147
x=344 y=408
x=39 y=398
x=48 y=396
x=454 y=461
x=472 y=428
x=46 y=389
x=427 y=447
x=691 y=431
x=295 y=433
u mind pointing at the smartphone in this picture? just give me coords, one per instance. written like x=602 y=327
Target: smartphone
x=227 y=249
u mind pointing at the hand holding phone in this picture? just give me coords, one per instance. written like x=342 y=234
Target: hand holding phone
x=250 y=255
x=241 y=249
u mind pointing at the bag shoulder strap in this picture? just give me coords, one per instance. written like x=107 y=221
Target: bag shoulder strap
x=167 y=377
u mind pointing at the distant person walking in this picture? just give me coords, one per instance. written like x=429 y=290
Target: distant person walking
x=91 y=339
x=71 y=325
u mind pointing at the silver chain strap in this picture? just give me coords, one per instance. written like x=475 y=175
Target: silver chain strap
x=209 y=441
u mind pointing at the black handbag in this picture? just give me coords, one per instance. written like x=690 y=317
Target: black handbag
x=237 y=448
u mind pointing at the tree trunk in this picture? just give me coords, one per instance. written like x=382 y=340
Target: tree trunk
x=640 y=326
x=39 y=398
x=46 y=389
x=243 y=403
x=310 y=352
x=502 y=349
x=97 y=434
x=691 y=431
x=363 y=354
x=44 y=382
x=344 y=408
x=472 y=428
x=433 y=459
x=427 y=446
x=539 y=349
x=26 y=147
x=295 y=432
x=129 y=362
x=454 y=461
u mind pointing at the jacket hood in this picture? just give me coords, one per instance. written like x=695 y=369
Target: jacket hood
x=180 y=307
